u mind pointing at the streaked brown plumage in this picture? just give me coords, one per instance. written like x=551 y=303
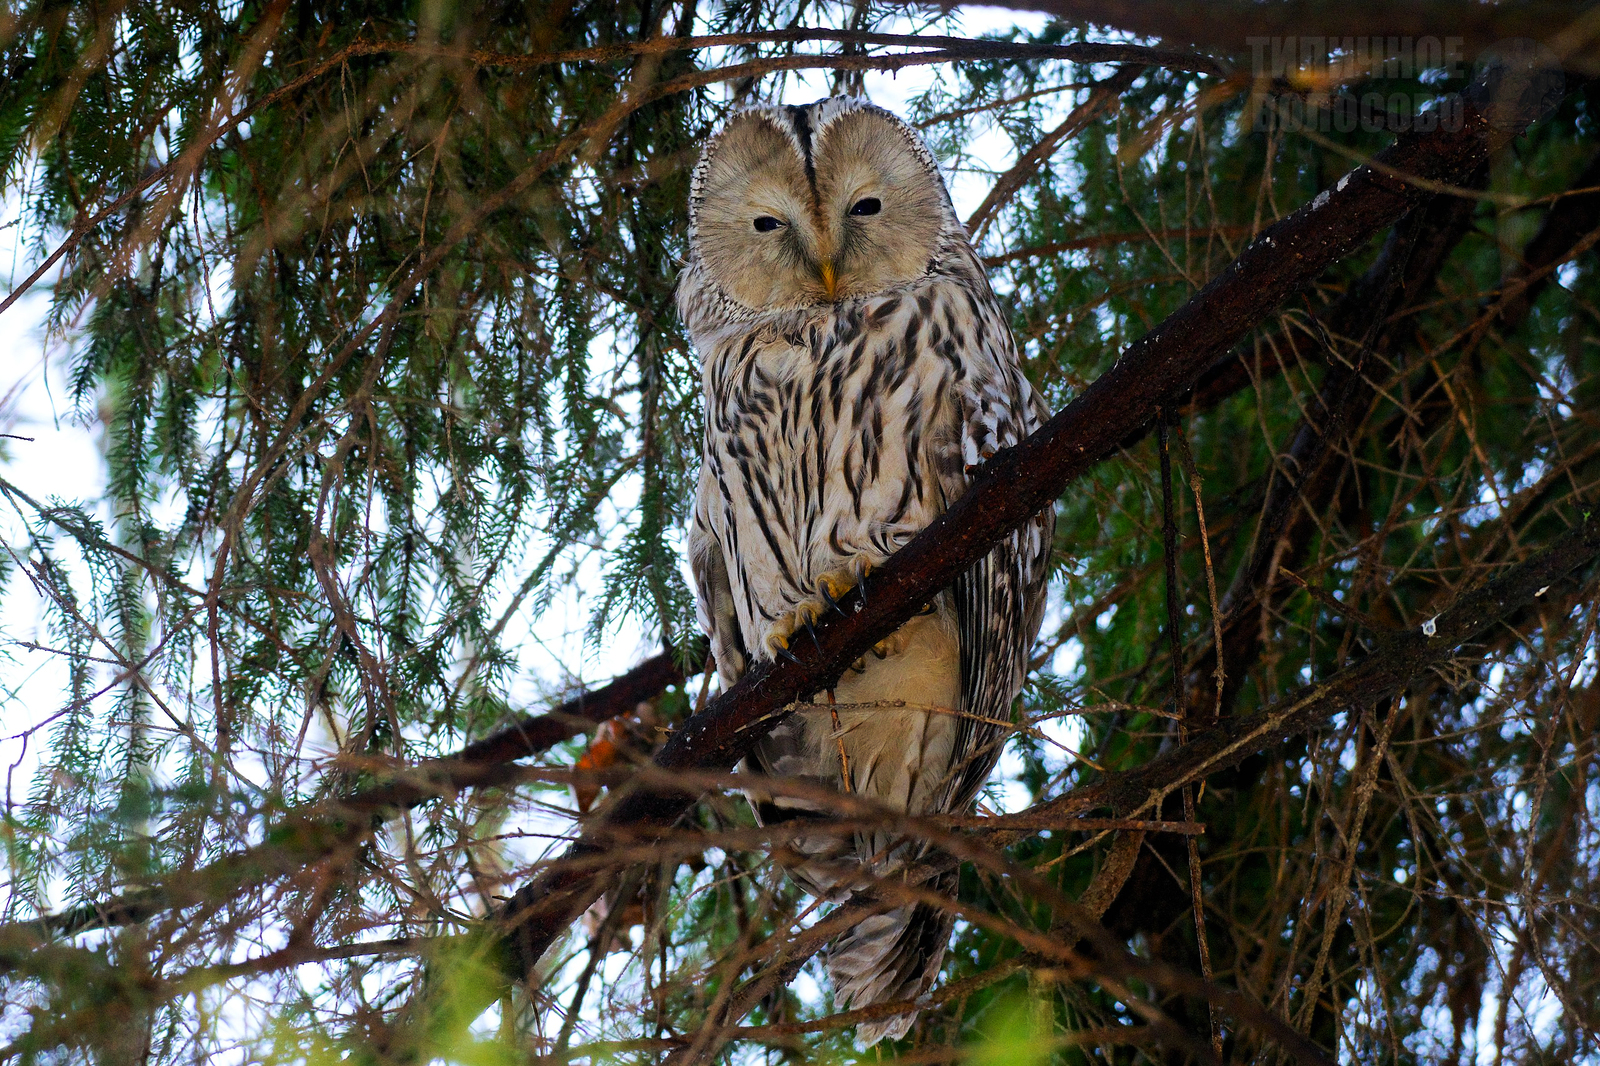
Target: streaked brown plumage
x=857 y=367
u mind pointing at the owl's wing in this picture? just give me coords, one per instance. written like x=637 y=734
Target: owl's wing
x=999 y=602
x=713 y=592
x=782 y=752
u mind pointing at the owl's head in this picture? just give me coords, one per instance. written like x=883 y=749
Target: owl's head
x=799 y=206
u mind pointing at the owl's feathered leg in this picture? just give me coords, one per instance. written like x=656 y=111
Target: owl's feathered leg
x=890 y=958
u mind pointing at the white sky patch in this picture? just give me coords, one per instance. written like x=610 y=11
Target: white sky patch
x=64 y=461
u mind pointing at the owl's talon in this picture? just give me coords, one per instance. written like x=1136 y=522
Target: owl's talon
x=778 y=642
x=811 y=632
x=828 y=589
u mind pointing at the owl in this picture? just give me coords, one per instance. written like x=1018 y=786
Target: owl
x=857 y=368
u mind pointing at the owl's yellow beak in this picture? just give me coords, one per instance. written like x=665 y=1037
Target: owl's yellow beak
x=830 y=283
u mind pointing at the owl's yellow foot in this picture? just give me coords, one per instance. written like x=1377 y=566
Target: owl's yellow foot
x=784 y=628
x=831 y=587
x=895 y=642
x=779 y=646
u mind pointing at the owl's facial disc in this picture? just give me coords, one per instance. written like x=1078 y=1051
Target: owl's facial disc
x=866 y=216
x=756 y=219
x=883 y=210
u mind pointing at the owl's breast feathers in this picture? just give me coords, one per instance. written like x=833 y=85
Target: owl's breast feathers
x=837 y=433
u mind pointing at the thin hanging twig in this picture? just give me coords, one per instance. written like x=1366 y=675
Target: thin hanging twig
x=1174 y=596
x=1193 y=476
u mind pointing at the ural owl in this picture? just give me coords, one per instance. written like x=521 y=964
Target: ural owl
x=857 y=368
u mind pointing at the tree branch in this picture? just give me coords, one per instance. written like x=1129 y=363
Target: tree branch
x=1101 y=98
x=1223 y=25
x=312 y=834
x=1399 y=658
x=1572 y=217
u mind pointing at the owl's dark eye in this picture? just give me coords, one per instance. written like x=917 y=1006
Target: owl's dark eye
x=766 y=224
x=868 y=206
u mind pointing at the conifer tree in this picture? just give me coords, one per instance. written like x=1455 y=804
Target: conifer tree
x=372 y=305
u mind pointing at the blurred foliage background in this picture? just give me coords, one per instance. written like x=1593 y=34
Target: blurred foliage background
x=370 y=306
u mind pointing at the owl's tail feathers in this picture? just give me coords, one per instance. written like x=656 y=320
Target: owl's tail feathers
x=889 y=958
